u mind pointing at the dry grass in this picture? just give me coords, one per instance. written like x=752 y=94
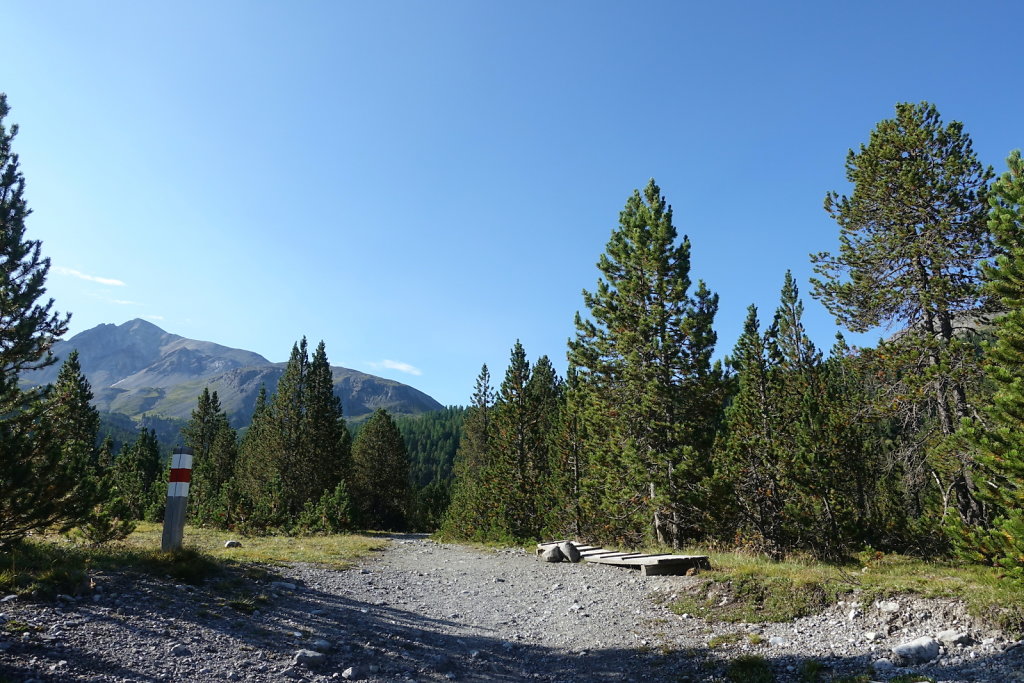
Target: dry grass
x=337 y=551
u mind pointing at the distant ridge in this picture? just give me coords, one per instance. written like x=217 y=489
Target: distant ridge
x=138 y=369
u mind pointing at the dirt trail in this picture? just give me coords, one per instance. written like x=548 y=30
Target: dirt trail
x=428 y=612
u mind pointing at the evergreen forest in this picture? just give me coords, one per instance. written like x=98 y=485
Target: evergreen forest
x=653 y=436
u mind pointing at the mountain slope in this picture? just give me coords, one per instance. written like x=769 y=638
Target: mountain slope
x=137 y=368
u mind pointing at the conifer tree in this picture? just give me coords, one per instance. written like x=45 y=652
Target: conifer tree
x=545 y=393
x=138 y=472
x=469 y=513
x=999 y=439
x=645 y=354
x=751 y=461
x=260 y=506
x=215 y=449
x=912 y=239
x=287 y=434
x=33 y=485
x=328 y=442
x=569 y=469
x=511 y=447
x=380 y=474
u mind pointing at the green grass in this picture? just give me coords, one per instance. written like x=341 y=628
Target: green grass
x=755 y=589
x=50 y=565
x=724 y=639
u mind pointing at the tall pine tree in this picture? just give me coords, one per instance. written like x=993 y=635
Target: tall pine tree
x=645 y=353
x=469 y=513
x=33 y=484
x=998 y=439
x=912 y=239
x=380 y=474
x=215 y=450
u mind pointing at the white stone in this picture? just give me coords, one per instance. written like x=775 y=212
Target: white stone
x=232 y=544
x=309 y=658
x=951 y=637
x=553 y=554
x=918 y=651
x=888 y=605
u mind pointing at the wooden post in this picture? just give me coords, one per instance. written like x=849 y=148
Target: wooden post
x=177 y=498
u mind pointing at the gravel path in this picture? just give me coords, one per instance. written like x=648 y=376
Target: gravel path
x=429 y=612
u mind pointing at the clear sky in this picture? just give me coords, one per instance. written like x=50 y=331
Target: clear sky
x=419 y=184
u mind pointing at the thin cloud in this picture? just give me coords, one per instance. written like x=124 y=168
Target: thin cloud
x=124 y=302
x=91 y=278
x=398 y=365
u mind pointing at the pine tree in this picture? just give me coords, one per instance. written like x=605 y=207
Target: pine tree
x=545 y=397
x=138 y=473
x=469 y=513
x=751 y=460
x=912 y=240
x=215 y=449
x=998 y=439
x=512 y=508
x=328 y=443
x=287 y=436
x=645 y=354
x=260 y=505
x=380 y=474
x=33 y=485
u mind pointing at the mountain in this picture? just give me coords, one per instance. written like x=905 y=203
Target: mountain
x=138 y=369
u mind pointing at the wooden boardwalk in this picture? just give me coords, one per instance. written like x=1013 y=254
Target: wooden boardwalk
x=650 y=565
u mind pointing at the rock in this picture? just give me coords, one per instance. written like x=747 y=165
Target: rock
x=918 y=651
x=883 y=665
x=570 y=552
x=283 y=585
x=321 y=645
x=951 y=637
x=889 y=606
x=179 y=650
x=353 y=673
x=232 y=544
x=9 y=598
x=776 y=641
x=854 y=614
x=309 y=658
x=553 y=554
x=872 y=636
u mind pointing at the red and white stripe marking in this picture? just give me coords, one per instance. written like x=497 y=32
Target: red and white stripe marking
x=181 y=474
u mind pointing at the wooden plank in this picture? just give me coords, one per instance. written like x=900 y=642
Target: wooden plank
x=681 y=567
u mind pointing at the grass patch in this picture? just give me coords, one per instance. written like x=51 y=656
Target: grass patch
x=749 y=669
x=752 y=589
x=337 y=551
x=46 y=566
x=724 y=639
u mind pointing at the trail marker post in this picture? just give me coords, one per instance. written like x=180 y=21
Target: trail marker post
x=177 y=498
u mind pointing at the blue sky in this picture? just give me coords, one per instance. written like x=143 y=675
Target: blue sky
x=419 y=184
